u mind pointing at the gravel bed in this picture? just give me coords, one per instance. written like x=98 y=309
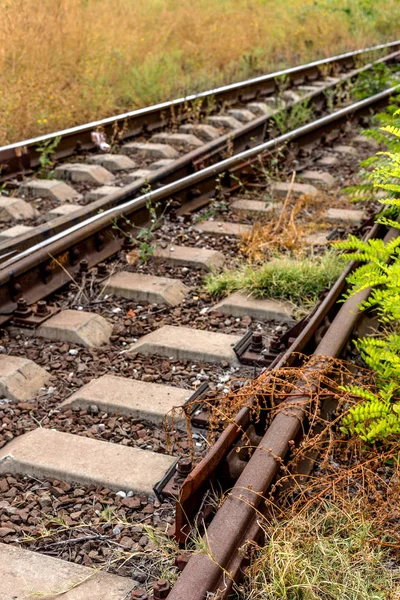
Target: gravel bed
x=87 y=525
x=19 y=418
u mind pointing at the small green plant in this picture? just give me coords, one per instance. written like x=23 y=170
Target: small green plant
x=212 y=211
x=372 y=81
x=291 y=117
x=145 y=235
x=46 y=150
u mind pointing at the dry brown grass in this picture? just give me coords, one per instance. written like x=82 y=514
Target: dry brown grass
x=63 y=62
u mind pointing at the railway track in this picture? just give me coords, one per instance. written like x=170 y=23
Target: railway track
x=98 y=349
x=192 y=133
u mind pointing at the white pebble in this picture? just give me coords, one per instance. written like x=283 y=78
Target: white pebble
x=73 y=352
x=121 y=494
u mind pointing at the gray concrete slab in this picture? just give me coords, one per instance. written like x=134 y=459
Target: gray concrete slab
x=139 y=174
x=347 y=150
x=82 y=173
x=254 y=206
x=64 y=210
x=184 y=141
x=20 y=378
x=147 y=288
x=328 y=161
x=239 y=305
x=344 y=215
x=224 y=122
x=14 y=232
x=137 y=399
x=207 y=133
x=184 y=343
x=74 y=458
x=365 y=140
x=274 y=102
x=280 y=189
x=260 y=109
x=49 y=188
x=318 y=177
x=222 y=228
x=15 y=209
x=291 y=96
x=242 y=114
x=190 y=257
x=76 y=327
x=102 y=191
x=26 y=575
x=112 y=162
x=150 y=150
x=160 y=164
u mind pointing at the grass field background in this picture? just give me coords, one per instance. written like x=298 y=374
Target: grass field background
x=64 y=62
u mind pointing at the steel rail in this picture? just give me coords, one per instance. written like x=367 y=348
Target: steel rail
x=235 y=523
x=38 y=271
x=301 y=346
x=24 y=155
x=255 y=132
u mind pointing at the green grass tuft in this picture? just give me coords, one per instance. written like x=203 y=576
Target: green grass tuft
x=326 y=553
x=298 y=281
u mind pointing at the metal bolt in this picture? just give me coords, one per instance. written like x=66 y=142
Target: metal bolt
x=139 y=595
x=21 y=304
x=83 y=266
x=256 y=342
x=42 y=309
x=102 y=270
x=23 y=309
x=184 y=467
x=161 y=589
x=275 y=342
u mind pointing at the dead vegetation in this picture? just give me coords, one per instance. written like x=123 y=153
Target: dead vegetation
x=333 y=532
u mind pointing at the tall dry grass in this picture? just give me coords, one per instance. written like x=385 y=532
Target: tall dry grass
x=63 y=62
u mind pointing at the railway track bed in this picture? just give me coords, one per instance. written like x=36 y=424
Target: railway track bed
x=88 y=378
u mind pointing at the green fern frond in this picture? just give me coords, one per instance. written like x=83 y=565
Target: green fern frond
x=392 y=129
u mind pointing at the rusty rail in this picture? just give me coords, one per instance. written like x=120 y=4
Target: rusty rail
x=236 y=522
